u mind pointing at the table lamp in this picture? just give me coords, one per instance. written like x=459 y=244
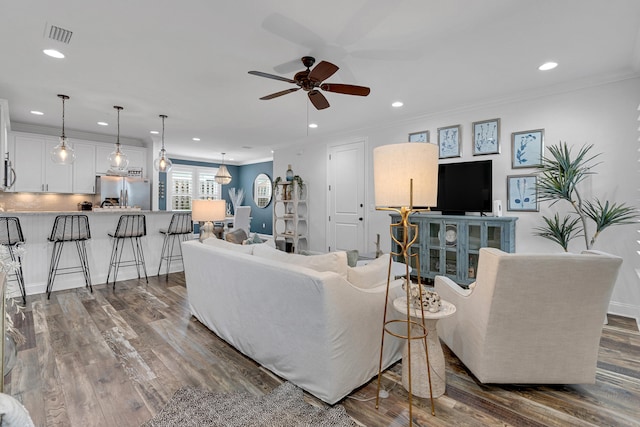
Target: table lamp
x=207 y=211
x=405 y=176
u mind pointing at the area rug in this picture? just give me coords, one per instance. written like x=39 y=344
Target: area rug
x=283 y=407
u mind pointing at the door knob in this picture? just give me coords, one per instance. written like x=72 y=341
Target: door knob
x=360 y=219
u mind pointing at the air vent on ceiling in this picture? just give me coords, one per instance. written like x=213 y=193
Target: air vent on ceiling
x=59 y=34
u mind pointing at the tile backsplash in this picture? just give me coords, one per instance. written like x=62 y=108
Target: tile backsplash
x=17 y=202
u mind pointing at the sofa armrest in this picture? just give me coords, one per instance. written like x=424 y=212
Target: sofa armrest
x=444 y=283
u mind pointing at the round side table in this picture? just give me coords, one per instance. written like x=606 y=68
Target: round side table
x=420 y=379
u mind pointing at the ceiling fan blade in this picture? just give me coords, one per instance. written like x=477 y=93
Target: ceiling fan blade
x=282 y=92
x=346 y=89
x=322 y=71
x=318 y=100
x=272 y=76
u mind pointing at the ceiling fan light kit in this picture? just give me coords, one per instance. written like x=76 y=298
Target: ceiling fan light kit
x=311 y=80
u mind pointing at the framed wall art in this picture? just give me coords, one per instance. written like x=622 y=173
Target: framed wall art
x=486 y=137
x=449 y=141
x=522 y=193
x=422 y=136
x=527 y=148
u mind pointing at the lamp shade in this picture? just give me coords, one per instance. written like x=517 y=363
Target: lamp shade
x=208 y=210
x=395 y=165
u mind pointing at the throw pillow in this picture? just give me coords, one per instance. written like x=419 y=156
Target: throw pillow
x=12 y=413
x=332 y=261
x=352 y=257
x=219 y=243
x=253 y=240
x=238 y=236
x=371 y=275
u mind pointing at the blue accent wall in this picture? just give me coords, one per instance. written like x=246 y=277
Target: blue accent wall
x=261 y=218
x=242 y=177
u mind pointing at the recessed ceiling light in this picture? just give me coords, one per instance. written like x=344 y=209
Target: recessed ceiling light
x=36 y=113
x=313 y=125
x=53 y=53
x=397 y=104
x=103 y=123
x=548 y=66
x=154 y=132
x=196 y=139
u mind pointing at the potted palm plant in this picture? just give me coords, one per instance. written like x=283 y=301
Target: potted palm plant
x=560 y=175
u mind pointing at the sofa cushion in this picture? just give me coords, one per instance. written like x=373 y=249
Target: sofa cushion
x=332 y=261
x=219 y=243
x=371 y=275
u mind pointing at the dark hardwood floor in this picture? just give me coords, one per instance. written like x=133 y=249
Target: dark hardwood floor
x=113 y=358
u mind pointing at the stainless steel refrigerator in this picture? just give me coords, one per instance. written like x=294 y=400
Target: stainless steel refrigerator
x=124 y=191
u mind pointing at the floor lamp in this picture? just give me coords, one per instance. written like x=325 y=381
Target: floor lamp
x=208 y=211
x=405 y=176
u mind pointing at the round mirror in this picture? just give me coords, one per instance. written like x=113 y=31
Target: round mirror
x=262 y=190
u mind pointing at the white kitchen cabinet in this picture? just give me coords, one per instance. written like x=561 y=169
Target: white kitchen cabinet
x=84 y=168
x=35 y=171
x=102 y=158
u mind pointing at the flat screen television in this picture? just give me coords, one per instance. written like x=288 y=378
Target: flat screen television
x=464 y=187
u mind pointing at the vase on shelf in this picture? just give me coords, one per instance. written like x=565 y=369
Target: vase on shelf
x=289 y=175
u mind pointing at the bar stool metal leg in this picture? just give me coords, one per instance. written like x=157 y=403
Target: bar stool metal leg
x=53 y=266
x=19 y=274
x=82 y=253
x=132 y=228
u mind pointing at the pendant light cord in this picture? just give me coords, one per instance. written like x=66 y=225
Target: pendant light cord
x=163 y=117
x=63 y=136
x=64 y=98
x=118 y=136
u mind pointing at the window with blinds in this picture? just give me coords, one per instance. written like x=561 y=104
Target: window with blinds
x=182 y=180
x=181 y=185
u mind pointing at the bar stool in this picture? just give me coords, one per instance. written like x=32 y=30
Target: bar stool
x=11 y=237
x=131 y=227
x=69 y=228
x=180 y=227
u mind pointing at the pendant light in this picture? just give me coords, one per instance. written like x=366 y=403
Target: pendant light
x=162 y=163
x=118 y=161
x=223 y=176
x=63 y=153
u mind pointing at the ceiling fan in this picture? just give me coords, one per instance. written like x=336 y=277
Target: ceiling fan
x=311 y=80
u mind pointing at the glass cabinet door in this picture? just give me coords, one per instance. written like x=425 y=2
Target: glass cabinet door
x=475 y=237
x=494 y=236
x=433 y=263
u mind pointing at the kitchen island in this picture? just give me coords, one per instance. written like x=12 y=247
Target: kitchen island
x=36 y=228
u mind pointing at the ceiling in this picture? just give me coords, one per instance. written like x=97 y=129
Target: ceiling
x=189 y=59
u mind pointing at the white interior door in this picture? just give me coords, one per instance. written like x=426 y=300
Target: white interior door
x=346 y=175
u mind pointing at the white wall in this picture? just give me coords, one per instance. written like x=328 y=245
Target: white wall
x=602 y=115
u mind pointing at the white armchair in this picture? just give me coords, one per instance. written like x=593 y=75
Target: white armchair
x=530 y=318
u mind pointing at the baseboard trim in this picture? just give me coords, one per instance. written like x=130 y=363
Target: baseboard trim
x=626 y=310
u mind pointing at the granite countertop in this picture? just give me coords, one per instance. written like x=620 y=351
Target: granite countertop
x=95 y=211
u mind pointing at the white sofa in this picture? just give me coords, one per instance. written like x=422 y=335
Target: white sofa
x=313 y=328
x=530 y=318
